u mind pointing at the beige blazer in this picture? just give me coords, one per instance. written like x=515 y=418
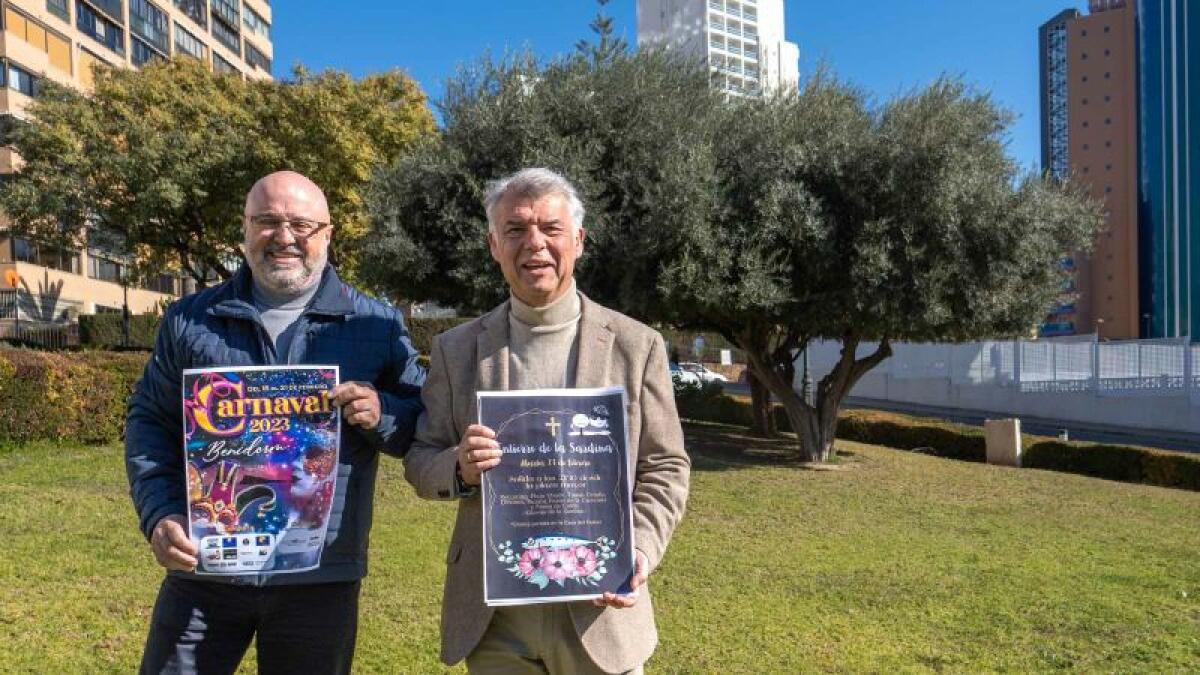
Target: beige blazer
x=613 y=350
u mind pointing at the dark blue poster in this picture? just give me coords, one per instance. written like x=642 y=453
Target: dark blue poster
x=557 y=523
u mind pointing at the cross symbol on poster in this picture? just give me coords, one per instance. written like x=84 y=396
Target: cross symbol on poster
x=553 y=425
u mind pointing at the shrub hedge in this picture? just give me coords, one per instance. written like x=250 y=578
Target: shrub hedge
x=65 y=396
x=105 y=331
x=963 y=442
x=931 y=437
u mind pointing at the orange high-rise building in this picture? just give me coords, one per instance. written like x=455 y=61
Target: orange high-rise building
x=1089 y=131
x=62 y=41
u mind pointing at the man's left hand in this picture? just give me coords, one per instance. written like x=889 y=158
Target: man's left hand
x=359 y=403
x=639 y=579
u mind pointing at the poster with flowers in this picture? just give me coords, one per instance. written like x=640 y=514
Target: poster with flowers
x=557 y=516
x=261 y=455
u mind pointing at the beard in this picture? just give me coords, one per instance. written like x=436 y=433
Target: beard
x=288 y=279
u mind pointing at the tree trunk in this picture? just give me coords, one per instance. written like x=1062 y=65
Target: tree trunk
x=762 y=422
x=816 y=425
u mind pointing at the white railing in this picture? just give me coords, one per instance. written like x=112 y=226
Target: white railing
x=1164 y=367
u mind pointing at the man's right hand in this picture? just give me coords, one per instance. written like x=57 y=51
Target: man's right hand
x=172 y=547
x=478 y=451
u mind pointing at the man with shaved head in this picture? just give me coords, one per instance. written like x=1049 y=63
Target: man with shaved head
x=286 y=305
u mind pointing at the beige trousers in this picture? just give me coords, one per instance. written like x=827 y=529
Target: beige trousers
x=532 y=639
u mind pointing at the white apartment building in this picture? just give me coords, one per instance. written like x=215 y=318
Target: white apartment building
x=742 y=41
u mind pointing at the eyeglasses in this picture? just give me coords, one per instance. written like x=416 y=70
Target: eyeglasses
x=299 y=227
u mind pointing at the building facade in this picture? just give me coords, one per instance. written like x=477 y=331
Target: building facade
x=1169 y=167
x=742 y=41
x=1089 y=134
x=62 y=40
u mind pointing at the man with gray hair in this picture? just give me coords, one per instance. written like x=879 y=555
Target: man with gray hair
x=547 y=335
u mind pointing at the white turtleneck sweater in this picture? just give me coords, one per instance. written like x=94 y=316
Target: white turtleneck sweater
x=543 y=344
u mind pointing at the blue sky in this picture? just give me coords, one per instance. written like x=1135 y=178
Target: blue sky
x=884 y=46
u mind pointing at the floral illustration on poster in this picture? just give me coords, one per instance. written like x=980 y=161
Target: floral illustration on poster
x=261 y=455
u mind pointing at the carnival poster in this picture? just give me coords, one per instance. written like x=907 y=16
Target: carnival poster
x=557 y=518
x=261 y=452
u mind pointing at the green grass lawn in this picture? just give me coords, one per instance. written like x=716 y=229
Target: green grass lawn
x=899 y=562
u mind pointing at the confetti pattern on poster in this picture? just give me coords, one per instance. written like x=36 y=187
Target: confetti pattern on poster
x=261 y=451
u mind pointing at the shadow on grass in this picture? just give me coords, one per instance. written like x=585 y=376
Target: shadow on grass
x=719 y=447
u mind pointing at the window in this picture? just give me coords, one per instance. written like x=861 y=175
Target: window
x=227 y=11
x=143 y=53
x=257 y=59
x=103 y=268
x=224 y=67
x=99 y=28
x=186 y=43
x=227 y=37
x=22 y=80
x=163 y=283
x=195 y=10
x=255 y=23
x=149 y=23
x=31 y=31
x=52 y=257
x=59 y=8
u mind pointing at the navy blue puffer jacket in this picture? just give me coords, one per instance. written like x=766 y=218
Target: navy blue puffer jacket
x=221 y=327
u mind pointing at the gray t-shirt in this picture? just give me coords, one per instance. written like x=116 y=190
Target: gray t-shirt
x=279 y=313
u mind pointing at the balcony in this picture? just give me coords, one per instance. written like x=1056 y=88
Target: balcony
x=227 y=11
x=113 y=9
x=257 y=59
x=152 y=29
x=227 y=37
x=195 y=10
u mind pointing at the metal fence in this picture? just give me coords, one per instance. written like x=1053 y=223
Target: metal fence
x=1165 y=367
x=35 y=320
x=45 y=336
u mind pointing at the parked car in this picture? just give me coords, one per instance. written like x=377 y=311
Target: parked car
x=704 y=374
x=681 y=376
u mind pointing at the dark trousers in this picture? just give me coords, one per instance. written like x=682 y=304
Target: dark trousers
x=206 y=627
